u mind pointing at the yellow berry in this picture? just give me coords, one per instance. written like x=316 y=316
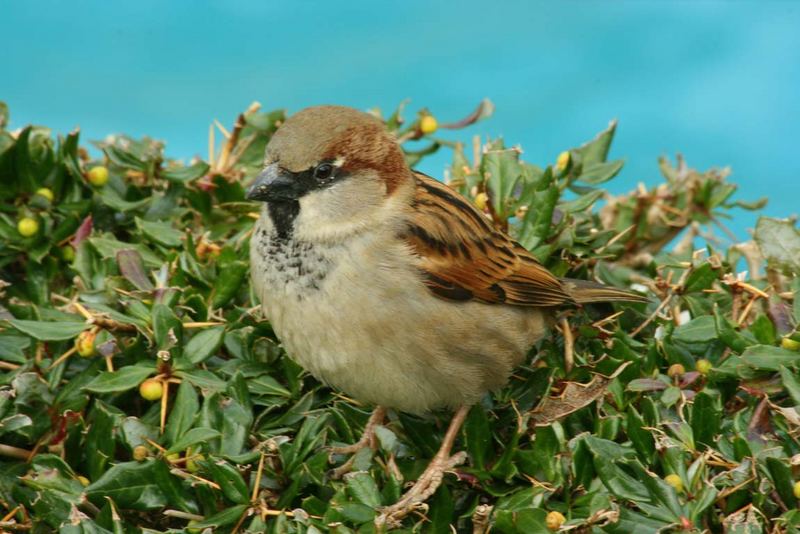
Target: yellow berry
x=562 y=161
x=46 y=193
x=428 y=124
x=703 y=366
x=151 y=389
x=190 y=527
x=480 y=201
x=84 y=344
x=797 y=489
x=83 y=480
x=98 y=176
x=676 y=369
x=67 y=252
x=172 y=458
x=790 y=344
x=191 y=462
x=140 y=452
x=674 y=481
x=554 y=520
x=28 y=226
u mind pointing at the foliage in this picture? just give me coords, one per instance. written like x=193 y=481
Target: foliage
x=149 y=273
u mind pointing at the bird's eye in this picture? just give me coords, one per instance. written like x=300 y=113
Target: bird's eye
x=323 y=171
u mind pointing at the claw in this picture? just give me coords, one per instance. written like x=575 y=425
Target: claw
x=429 y=481
x=367 y=440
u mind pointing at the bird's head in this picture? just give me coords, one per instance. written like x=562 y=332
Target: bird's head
x=339 y=166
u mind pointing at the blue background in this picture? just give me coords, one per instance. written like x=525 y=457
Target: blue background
x=717 y=81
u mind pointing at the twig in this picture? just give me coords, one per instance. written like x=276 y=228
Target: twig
x=569 y=345
x=183 y=515
x=14 y=452
x=259 y=472
x=164 y=395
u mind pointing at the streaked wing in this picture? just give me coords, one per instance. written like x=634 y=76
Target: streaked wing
x=464 y=258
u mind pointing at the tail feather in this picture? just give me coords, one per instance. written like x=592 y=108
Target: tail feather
x=584 y=292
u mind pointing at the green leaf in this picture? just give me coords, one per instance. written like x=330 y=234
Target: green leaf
x=699 y=330
x=642 y=439
x=167 y=328
x=108 y=247
x=597 y=173
x=120 y=380
x=781 y=475
x=502 y=171
x=130 y=485
x=226 y=517
x=204 y=344
x=230 y=480
x=779 y=242
x=160 y=232
x=193 y=437
x=12 y=347
x=363 y=489
x=183 y=413
x=791 y=384
x=596 y=150
x=700 y=278
x=112 y=199
x=131 y=266
x=705 y=419
x=228 y=283
x=478 y=436
x=769 y=358
x=172 y=488
x=186 y=174
x=50 y=330
x=100 y=438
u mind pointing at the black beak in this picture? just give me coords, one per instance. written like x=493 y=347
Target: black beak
x=274 y=184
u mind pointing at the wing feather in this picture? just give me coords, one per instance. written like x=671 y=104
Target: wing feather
x=464 y=258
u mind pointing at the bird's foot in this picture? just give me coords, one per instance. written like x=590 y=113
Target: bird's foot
x=368 y=440
x=414 y=499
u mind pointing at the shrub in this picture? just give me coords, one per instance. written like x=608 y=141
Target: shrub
x=634 y=418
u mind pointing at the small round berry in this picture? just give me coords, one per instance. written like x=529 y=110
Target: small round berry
x=172 y=458
x=28 y=226
x=428 y=124
x=703 y=366
x=797 y=489
x=46 y=193
x=480 y=201
x=790 y=344
x=674 y=481
x=151 y=389
x=191 y=462
x=562 y=161
x=554 y=520
x=84 y=344
x=98 y=176
x=676 y=369
x=67 y=253
x=83 y=480
x=140 y=452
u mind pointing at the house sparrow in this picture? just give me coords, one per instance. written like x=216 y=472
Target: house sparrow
x=388 y=285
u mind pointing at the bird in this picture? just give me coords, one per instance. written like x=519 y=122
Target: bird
x=388 y=285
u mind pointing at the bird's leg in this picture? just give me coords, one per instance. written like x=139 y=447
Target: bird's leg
x=368 y=439
x=430 y=480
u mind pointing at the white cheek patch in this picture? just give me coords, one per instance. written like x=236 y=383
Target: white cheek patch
x=345 y=208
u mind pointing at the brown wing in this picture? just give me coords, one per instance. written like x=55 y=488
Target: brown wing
x=465 y=258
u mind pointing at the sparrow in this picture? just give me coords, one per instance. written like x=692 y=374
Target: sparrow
x=390 y=286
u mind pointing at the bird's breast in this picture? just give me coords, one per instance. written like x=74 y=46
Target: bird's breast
x=358 y=316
